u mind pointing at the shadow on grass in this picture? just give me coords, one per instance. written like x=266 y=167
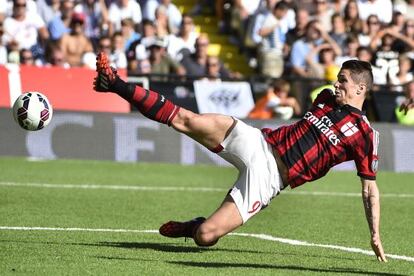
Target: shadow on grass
x=281 y=267
x=168 y=247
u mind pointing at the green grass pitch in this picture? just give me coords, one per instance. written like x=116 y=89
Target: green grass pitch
x=106 y=195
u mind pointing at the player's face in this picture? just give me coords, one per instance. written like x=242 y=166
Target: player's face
x=345 y=88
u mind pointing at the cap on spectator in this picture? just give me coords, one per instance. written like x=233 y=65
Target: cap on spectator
x=78 y=17
x=157 y=42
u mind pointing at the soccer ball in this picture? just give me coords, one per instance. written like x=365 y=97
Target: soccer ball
x=32 y=111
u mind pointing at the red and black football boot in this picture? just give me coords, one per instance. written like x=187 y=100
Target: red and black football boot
x=106 y=74
x=176 y=229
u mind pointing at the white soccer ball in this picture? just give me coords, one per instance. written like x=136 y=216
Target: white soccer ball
x=32 y=111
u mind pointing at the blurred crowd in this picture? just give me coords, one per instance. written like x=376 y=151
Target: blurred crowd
x=311 y=38
x=143 y=36
x=307 y=38
x=303 y=38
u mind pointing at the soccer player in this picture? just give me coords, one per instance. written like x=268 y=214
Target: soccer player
x=334 y=130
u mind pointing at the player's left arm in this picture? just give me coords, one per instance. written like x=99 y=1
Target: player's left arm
x=370 y=198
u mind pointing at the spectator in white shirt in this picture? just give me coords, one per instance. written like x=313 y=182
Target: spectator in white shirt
x=121 y=9
x=381 y=8
x=24 y=28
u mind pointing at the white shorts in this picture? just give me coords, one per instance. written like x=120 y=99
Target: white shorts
x=258 y=180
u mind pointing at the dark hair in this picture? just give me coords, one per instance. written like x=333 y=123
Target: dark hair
x=282 y=5
x=361 y=72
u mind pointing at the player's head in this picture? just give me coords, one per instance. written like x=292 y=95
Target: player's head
x=355 y=80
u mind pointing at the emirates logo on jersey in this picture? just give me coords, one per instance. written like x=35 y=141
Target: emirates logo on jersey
x=349 y=129
x=325 y=125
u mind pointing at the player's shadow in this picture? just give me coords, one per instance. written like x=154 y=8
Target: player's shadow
x=168 y=247
x=281 y=267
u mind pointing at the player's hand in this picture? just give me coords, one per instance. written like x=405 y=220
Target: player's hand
x=377 y=247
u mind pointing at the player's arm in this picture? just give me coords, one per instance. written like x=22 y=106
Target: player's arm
x=370 y=198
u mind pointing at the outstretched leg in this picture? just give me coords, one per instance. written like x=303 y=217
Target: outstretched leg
x=207 y=129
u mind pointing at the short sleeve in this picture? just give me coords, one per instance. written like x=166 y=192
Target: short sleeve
x=366 y=155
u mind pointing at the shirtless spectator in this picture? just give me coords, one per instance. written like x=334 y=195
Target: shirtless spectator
x=75 y=44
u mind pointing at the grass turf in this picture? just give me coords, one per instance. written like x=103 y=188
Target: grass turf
x=320 y=219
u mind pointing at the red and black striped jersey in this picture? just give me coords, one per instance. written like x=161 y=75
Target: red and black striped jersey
x=328 y=134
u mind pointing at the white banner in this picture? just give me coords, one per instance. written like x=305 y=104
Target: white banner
x=228 y=98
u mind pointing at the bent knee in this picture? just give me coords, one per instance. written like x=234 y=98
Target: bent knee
x=207 y=235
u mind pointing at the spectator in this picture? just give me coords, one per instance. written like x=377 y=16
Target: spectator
x=75 y=44
x=323 y=14
x=315 y=36
x=24 y=29
x=26 y=57
x=161 y=22
x=398 y=21
x=128 y=32
x=381 y=8
x=161 y=62
x=48 y=9
x=96 y=18
x=373 y=27
x=196 y=64
x=353 y=23
x=302 y=20
x=404 y=74
x=149 y=9
x=272 y=38
x=138 y=50
x=366 y=54
x=118 y=56
x=121 y=9
x=55 y=57
x=174 y=16
x=241 y=12
x=406 y=7
x=276 y=103
x=350 y=50
x=405 y=111
x=338 y=32
x=60 y=25
x=213 y=68
x=185 y=41
x=405 y=40
x=323 y=67
x=385 y=57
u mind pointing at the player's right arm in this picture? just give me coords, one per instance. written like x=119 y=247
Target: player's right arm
x=370 y=198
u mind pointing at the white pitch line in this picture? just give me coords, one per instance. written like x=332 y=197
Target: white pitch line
x=257 y=236
x=180 y=189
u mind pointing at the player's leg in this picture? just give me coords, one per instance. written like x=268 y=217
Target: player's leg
x=223 y=221
x=206 y=232
x=207 y=129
